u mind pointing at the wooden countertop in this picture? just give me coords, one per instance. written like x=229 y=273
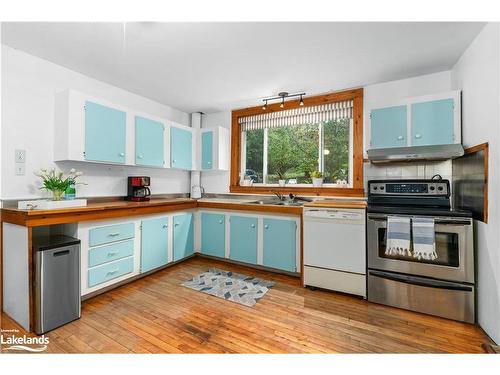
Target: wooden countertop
x=338 y=204
x=95 y=211
x=120 y=208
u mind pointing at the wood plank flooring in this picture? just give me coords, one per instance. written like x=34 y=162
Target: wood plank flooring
x=157 y=315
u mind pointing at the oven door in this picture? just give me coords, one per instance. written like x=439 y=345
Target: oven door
x=454 y=248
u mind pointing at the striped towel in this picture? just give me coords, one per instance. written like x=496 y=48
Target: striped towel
x=398 y=236
x=424 y=246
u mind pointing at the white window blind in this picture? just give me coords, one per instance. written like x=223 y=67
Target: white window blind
x=298 y=116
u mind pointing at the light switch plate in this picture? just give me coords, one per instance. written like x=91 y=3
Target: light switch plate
x=20 y=156
x=20 y=169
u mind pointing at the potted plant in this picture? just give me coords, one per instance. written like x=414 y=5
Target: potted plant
x=55 y=181
x=317 y=178
x=281 y=178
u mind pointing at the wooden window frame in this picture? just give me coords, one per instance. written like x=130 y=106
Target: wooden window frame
x=357 y=189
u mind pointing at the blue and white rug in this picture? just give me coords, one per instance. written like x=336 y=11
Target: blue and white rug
x=234 y=287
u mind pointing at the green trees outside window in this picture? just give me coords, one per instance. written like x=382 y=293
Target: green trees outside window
x=295 y=151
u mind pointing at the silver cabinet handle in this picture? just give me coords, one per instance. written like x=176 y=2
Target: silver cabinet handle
x=252 y=226
x=139 y=156
x=401 y=137
x=165 y=225
x=113 y=272
x=176 y=224
x=221 y=221
x=173 y=160
x=121 y=154
x=418 y=136
x=113 y=253
x=209 y=162
x=266 y=226
x=114 y=234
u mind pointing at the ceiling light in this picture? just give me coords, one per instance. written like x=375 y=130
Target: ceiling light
x=283 y=95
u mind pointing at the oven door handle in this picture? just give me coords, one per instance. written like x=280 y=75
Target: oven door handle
x=421 y=281
x=436 y=221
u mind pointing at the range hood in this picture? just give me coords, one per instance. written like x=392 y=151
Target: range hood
x=435 y=152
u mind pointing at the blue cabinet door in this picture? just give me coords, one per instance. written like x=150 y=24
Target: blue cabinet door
x=243 y=239
x=280 y=245
x=181 y=148
x=432 y=123
x=105 y=130
x=183 y=240
x=154 y=243
x=213 y=234
x=388 y=127
x=149 y=142
x=207 y=150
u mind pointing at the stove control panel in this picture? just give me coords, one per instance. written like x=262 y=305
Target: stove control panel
x=423 y=187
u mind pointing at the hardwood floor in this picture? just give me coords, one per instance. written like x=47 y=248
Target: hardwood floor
x=157 y=315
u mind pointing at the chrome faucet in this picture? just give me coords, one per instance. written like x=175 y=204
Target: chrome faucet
x=280 y=196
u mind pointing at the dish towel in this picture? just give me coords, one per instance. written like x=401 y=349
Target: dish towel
x=424 y=246
x=398 y=236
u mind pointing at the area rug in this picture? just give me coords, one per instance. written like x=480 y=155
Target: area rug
x=235 y=287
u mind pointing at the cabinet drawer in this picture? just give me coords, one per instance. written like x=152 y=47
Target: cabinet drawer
x=110 y=253
x=110 y=271
x=111 y=233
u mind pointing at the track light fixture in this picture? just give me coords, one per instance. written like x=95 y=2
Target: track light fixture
x=282 y=96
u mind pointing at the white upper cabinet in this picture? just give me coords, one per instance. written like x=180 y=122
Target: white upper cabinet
x=94 y=130
x=418 y=121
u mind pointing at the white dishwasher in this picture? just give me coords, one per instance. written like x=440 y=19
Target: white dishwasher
x=335 y=249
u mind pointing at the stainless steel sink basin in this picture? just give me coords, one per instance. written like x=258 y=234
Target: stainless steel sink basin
x=276 y=202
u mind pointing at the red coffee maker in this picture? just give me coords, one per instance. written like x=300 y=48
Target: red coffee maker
x=138 y=188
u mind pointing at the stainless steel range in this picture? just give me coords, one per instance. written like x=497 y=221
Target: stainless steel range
x=443 y=286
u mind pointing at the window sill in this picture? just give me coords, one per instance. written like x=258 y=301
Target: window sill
x=303 y=190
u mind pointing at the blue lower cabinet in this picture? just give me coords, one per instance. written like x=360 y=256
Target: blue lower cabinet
x=111 y=233
x=243 y=239
x=213 y=234
x=109 y=253
x=183 y=241
x=110 y=271
x=154 y=243
x=280 y=244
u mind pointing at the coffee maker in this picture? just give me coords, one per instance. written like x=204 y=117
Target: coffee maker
x=138 y=190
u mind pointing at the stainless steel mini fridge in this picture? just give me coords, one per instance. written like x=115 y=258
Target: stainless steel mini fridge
x=57 y=281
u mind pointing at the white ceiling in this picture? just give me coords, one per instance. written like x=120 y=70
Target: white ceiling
x=216 y=66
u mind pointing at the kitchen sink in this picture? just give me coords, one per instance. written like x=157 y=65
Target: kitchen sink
x=276 y=202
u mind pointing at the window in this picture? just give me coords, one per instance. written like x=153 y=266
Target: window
x=289 y=144
x=291 y=153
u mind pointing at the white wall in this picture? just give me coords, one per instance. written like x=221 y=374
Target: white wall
x=216 y=182
x=374 y=96
x=28 y=88
x=477 y=73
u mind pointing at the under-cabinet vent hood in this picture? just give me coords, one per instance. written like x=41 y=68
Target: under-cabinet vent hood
x=435 y=152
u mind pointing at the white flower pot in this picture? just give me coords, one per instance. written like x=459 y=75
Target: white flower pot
x=281 y=183
x=317 y=182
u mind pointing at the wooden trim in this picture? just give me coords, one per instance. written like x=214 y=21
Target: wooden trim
x=1 y=262
x=357 y=186
x=34 y=218
x=485 y=148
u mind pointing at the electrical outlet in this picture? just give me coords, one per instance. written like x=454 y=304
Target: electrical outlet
x=20 y=156
x=20 y=169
